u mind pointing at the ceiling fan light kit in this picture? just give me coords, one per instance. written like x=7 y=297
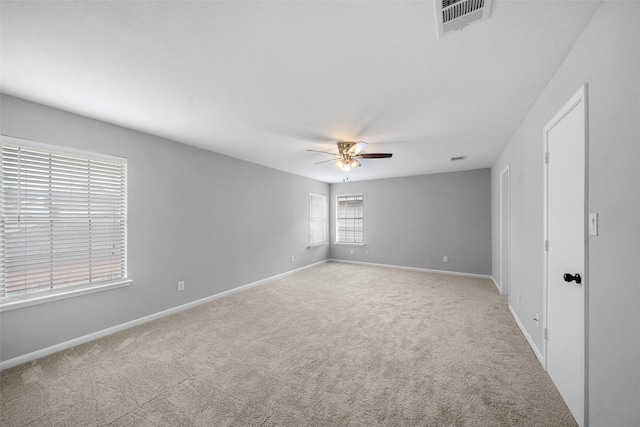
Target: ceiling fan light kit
x=347 y=165
x=349 y=153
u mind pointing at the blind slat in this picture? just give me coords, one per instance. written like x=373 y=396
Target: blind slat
x=63 y=219
x=350 y=218
x=318 y=219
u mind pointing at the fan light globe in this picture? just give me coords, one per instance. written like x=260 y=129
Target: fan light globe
x=340 y=164
x=355 y=164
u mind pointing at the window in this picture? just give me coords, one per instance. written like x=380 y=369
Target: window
x=63 y=220
x=318 y=221
x=350 y=219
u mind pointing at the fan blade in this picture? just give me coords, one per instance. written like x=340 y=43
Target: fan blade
x=374 y=155
x=358 y=147
x=332 y=160
x=325 y=152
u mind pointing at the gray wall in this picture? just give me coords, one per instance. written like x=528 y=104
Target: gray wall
x=213 y=221
x=415 y=221
x=607 y=57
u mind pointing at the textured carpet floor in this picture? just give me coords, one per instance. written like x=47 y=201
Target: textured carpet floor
x=333 y=345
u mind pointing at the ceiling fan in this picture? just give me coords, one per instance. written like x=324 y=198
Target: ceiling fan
x=349 y=152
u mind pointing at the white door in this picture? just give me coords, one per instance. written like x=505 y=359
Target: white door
x=505 y=219
x=565 y=143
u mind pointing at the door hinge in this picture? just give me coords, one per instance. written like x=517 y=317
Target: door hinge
x=546 y=245
x=546 y=157
x=546 y=333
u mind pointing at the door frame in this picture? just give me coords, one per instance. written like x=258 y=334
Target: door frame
x=505 y=172
x=581 y=96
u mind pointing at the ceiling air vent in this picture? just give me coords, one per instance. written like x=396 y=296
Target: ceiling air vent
x=453 y=159
x=454 y=14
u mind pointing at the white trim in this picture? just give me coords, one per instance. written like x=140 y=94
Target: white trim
x=506 y=171
x=318 y=244
x=10 y=304
x=497 y=286
x=581 y=96
x=402 y=267
x=325 y=238
x=532 y=344
x=57 y=149
x=29 y=297
x=336 y=219
x=6 y=364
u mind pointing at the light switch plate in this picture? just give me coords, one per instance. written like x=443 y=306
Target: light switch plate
x=593 y=224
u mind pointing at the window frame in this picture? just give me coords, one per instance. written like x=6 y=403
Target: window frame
x=338 y=218
x=62 y=291
x=325 y=239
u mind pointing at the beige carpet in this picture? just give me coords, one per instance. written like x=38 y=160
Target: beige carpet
x=333 y=345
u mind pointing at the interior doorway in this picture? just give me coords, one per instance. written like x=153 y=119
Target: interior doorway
x=565 y=141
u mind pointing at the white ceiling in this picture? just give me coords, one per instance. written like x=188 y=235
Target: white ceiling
x=265 y=81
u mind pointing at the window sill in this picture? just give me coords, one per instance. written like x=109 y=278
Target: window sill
x=12 y=303
x=318 y=244
x=348 y=244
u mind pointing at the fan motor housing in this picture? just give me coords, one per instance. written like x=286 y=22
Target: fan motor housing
x=344 y=146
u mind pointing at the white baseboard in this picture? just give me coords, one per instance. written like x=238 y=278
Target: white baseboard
x=121 y=327
x=497 y=286
x=402 y=267
x=533 y=346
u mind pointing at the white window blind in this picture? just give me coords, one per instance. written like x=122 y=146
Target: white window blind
x=64 y=219
x=318 y=221
x=350 y=218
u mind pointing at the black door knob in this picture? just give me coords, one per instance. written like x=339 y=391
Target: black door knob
x=570 y=278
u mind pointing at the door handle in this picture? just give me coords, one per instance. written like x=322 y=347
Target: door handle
x=570 y=278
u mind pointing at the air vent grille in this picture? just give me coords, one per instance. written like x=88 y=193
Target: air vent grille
x=453 y=159
x=447 y=3
x=452 y=9
x=455 y=14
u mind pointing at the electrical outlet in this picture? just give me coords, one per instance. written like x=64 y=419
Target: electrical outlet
x=445 y=259
x=351 y=251
x=180 y=286
x=366 y=252
x=292 y=258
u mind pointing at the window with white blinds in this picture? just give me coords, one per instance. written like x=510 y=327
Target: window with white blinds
x=318 y=219
x=350 y=219
x=64 y=219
